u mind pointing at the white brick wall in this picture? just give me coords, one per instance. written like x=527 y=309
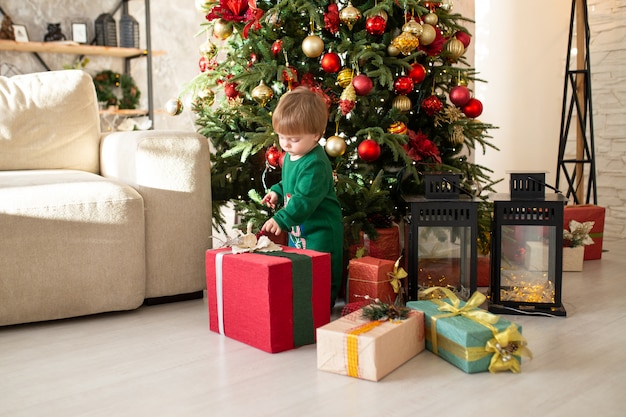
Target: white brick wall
x=607 y=22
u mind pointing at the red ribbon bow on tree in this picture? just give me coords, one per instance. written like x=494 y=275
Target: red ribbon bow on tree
x=238 y=11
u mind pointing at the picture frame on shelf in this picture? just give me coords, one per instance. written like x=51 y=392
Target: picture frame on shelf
x=20 y=32
x=80 y=31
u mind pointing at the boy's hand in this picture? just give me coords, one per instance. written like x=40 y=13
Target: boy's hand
x=270 y=199
x=271 y=226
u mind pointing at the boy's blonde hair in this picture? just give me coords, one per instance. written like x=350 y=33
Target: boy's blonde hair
x=300 y=111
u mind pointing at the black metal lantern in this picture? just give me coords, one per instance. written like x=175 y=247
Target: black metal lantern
x=106 y=30
x=442 y=232
x=527 y=248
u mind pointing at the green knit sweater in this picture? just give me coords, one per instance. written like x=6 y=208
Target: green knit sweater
x=311 y=212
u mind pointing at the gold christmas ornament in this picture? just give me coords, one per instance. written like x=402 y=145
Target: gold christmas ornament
x=205 y=98
x=208 y=49
x=349 y=93
x=405 y=42
x=413 y=27
x=382 y=14
x=312 y=46
x=174 y=107
x=454 y=48
x=222 y=29
x=262 y=93
x=428 y=34
x=402 y=103
x=397 y=128
x=344 y=77
x=447 y=5
x=335 y=146
x=392 y=50
x=349 y=15
x=431 y=19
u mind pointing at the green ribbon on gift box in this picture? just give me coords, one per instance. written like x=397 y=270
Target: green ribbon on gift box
x=302 y=287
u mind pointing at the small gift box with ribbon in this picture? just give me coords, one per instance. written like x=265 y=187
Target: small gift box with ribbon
x=377 y=278
x=468 y=337
x=588 y=213
x=268 y=296
x=368 y=349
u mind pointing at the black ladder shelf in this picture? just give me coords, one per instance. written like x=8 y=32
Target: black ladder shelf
x=578 y=81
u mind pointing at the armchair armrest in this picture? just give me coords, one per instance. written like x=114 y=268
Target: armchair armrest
x=171 y=171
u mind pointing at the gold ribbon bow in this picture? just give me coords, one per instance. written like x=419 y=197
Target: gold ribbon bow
x=506 y=347
x=469 y=310
x=395 y=276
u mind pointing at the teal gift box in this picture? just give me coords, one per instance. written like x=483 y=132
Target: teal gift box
x=485 y=342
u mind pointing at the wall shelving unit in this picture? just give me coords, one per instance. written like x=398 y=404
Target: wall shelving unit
x=73 y=48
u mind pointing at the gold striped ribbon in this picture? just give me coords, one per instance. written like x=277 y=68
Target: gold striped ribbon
x=352 y=345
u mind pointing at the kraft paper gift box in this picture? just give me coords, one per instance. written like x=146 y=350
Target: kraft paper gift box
x=585 y=213
x=272 y=301
x=468 y=345
x=370 y=276
x=360 y=348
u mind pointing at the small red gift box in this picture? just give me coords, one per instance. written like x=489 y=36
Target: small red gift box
x=272 y=301
x=385 y=246
x=370 y=276
x=585 y=213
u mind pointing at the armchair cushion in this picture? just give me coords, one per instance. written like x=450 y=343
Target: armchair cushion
x=49 y=120
x=72 y=244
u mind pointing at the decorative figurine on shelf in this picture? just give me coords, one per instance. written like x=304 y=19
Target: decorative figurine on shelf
x=6 y=30
x=54 y=33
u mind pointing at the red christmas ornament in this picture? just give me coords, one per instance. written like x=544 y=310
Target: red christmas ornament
x=432 y=105
x=290 y=75
x=403 y=85
x=331 y=62
x=277 y=46
x=473 y=108
x=369 y=150
x=230 y=90
x=417 y=73
x=203 y=63
x=460 y=95
x=465 y=38
x=253 y=59
x=362 y=84
x=376 y=25
x=272 y=156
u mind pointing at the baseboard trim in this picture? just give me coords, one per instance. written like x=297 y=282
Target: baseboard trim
x=174 y=298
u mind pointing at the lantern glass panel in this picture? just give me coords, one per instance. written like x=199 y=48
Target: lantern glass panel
x=444 y=258
x=528 y=269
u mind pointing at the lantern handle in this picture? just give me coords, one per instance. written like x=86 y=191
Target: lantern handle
x=544 y=184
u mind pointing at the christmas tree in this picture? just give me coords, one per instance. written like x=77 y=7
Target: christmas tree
x=394 y=77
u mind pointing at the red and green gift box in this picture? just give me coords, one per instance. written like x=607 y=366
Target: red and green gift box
x=585 y=213
x=373 y=277
x=470 y=338
x=273 y=301
x=360 y=348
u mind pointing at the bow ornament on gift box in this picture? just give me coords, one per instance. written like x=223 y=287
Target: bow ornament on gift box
x=469 y=310
x=249 y=242
x=507 y=345
x=396 y=275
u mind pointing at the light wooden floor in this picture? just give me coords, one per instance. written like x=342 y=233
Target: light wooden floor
x=163 y=361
